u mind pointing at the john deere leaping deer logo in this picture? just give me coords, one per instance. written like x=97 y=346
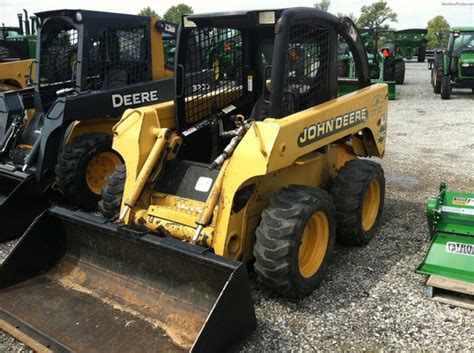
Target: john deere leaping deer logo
x=332 y=126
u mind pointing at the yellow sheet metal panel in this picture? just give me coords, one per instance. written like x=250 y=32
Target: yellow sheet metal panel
x=16 y=74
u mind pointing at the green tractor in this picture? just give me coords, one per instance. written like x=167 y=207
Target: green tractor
x=389 y=57
x=412 y=42
x=449 y=262
x=346 y=68
x=18 y=43
x=454 y=67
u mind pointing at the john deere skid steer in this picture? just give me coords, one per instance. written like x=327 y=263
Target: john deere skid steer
x=260 y=161
x=449 y=262
x=56 y=136
x=454 y=67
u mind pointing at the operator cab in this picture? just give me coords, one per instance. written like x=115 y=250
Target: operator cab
x=236 y=67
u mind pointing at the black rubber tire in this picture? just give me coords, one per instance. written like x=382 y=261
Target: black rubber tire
x=72 y=165
x=445 y=87
x=278 y=239
x=348 y=192
x=421 y=54
x=399 y=72
x=112 y=193
x=388 y=73
x=342 y=69
x=436 y=77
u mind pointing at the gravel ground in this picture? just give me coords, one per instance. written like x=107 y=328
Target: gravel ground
x=371 y=299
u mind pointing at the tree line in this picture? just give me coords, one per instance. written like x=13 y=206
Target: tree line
x=173 y=14
x=378 y=15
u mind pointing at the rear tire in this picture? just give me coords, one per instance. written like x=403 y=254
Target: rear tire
x=388 y=73
x=399 y=73
x=421 y=54
x=342 y=69
x=445 y=87
x=83 y=167
x=358 y=193
x=294 y=240
x=112 y=193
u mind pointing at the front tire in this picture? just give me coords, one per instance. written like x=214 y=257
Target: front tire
x=445 y=87
x=83 y=167
x=358 y=193
x=436 y=78
x=294 y=240
x=112 y=193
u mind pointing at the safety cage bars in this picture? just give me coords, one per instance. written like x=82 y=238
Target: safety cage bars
x=307 y=70
x=213 y=71
x=58 y=59
x=118 y=57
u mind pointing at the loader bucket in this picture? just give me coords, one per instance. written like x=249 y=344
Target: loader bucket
x=77 y=283
x=21 y=201
x=450 y=256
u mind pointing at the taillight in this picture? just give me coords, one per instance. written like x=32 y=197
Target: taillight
x=227 y=47
x=385 y=52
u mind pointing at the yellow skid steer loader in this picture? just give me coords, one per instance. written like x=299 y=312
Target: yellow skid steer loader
x=257 y=158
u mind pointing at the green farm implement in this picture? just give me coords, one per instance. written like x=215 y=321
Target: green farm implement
x=412 y=42
x=449 y=262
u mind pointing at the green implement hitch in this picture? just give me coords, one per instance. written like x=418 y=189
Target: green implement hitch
x=451 y=252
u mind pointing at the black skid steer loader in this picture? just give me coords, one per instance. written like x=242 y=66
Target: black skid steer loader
x=238 y=167
x=91 y=67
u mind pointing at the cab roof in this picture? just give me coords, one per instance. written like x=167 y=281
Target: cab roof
x=250 y=18
x=88 y=14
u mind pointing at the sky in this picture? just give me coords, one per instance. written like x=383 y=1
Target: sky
x=411 y=13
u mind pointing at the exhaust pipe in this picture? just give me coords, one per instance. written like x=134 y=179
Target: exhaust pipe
x=33 y=24
x=89 y=285
x=27 y=23
x=20 y=23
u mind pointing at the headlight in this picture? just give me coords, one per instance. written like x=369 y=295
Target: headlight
x=78 y=16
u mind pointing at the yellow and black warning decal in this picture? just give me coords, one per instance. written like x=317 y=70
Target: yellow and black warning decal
x=315 y=132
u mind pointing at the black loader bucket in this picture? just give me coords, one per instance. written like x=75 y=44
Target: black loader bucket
x=21 y=201
x=77 y=283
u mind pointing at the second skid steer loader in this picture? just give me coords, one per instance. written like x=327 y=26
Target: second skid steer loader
x=260 y=161
x=57 y=135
